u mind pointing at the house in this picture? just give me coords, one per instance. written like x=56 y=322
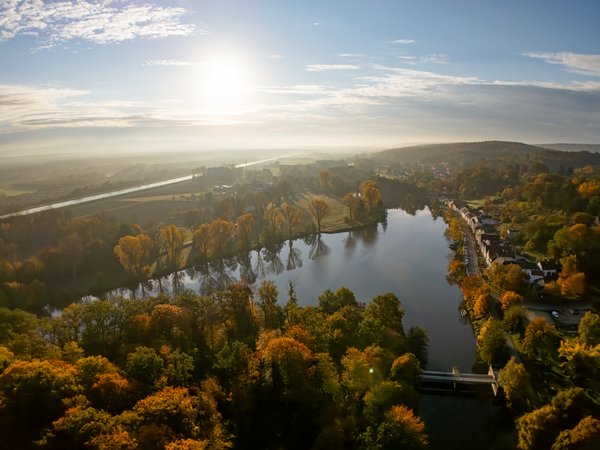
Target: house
x=511 y=233
x=548 y=267
x=491 y=248
x=531 y=269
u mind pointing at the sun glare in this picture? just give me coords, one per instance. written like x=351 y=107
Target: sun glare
x=224 y=82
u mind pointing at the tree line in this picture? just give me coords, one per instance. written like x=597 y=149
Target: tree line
x=233 y=369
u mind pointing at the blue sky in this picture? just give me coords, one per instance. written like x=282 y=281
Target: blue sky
x=193 y=75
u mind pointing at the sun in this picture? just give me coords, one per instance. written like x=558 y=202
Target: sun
x=224 y=81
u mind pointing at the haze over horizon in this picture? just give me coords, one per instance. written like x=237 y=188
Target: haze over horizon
x=115 y=76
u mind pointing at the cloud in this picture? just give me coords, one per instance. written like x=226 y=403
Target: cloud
x=324 y=67
x=170 y=62
x=316 y=24
x=574 y=62
x=403 y=41
x=350 y=55
x=99 y=22
x=299 y=89
x=431 y=58
x=274 y=56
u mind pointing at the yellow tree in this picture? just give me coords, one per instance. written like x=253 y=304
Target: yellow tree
x=173 y=238
x=293 y=218
x=134 y=253
x=510 y=298
x=319 y=209
x=571 y=281
x=353 y=203
x=481 y=307
x=274 y=217
x=245 y=227
x=202 y=240
x=371 y=194
x=221 y=235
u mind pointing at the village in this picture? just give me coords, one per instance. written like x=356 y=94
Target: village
x=491 y=246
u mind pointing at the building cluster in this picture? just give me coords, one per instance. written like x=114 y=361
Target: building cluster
x=497 y=249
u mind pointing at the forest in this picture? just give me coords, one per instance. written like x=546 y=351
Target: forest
x=233 y=369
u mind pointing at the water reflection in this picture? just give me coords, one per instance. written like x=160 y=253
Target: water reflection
x=247 y=274
x=274 y=265
x=318 y=248
x=294 y=260
x=208 y=277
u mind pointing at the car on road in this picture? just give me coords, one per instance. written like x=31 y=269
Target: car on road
x=555 y=314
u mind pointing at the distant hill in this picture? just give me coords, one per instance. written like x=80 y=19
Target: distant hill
x=490 y=153
x=461 y=151
x=595 y=148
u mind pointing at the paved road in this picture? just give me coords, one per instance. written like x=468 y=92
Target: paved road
x=471 y=264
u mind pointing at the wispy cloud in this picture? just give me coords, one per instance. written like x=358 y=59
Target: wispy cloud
x=350 y=55
x=99 y=22
x=431 y=58
x=316 y=24
x=324 y=67
x=299 y=89
x=170 y=62
x=574 y=62
x=275 y=56
x=403 y=41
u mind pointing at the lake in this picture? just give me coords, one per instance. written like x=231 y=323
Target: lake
x=408 y=256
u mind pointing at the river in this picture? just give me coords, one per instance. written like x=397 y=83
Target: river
x=408 y=256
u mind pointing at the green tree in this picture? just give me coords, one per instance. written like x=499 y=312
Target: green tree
x=382 y=323
x=491 y=342
x=271 y=311
x=538 y=429
x=145 y=367
x=330 y=302
x=401 y=429
x=540 y=340
x=514 y=379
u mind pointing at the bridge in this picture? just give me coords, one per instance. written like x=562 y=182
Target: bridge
x=445 y=381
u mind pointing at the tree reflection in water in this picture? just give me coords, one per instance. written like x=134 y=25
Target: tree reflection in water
x=294 y=259
x=271 y=257
x=247 y=274
x=318 y=248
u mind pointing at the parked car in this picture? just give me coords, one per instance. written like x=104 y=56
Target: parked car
x=555 y=314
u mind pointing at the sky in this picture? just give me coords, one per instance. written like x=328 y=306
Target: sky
x=142 y=75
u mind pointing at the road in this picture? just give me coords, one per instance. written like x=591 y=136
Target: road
x=470 y=250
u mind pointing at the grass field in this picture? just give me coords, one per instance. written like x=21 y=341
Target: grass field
x=9 y=192
x=160 y=205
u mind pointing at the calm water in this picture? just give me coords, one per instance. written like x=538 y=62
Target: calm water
x=407 y=256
